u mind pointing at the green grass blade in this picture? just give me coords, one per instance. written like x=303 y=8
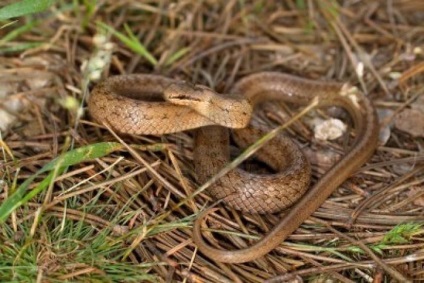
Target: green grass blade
x=132 y=42
x=56 y=166
x=24 y=7
x=177 y=55
x=16 y=32
x=18 y=47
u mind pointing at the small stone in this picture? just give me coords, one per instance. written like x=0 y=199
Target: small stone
x=410 y=121
x=330 y=129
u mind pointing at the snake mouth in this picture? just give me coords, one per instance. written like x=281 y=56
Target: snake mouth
x=183 y=97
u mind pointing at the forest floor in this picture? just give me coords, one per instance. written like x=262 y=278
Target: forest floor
x=82 y=204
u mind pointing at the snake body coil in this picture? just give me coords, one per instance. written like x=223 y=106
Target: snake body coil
x=148 y=104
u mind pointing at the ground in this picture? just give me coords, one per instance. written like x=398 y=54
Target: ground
x=82 y=204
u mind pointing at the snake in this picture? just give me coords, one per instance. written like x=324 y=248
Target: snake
x=147 y=104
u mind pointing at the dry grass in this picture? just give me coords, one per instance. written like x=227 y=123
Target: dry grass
x=129 y=198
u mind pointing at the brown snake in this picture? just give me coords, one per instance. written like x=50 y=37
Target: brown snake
x=149 y=104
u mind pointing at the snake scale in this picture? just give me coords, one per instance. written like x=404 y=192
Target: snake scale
x=155 y=105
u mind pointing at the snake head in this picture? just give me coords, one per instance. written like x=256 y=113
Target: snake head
x=225 y=110
x=197 y=97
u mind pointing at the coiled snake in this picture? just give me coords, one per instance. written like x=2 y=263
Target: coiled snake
x=154 y=105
